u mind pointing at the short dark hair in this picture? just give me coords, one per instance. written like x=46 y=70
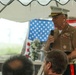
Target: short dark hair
x=58 y=59
x=26 y=69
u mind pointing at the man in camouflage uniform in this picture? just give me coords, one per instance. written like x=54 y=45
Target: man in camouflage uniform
x=64 y=35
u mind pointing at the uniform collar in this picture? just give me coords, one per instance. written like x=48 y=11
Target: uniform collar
x=65 y=28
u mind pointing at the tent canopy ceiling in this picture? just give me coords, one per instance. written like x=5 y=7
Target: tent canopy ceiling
x=41 y=2
x=24 y=10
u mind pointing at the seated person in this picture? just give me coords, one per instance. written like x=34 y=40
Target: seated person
x=17 y=65
x=56 y=62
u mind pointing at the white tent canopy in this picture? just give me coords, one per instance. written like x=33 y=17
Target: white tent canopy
x=18 y=12
x=41 y=2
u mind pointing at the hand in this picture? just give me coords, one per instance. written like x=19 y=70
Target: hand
x=72 y=55
x=69 y=57
x=50 y=39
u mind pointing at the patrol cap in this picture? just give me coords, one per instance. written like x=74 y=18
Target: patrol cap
x=56 y=11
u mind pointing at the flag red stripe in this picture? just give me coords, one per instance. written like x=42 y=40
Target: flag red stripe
x=71 y=21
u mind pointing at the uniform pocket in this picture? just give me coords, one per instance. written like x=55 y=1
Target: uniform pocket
x=66 y=42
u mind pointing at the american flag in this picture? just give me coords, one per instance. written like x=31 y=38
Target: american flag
x=40 y=29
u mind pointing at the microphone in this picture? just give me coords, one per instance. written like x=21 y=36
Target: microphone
x=51 y=44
